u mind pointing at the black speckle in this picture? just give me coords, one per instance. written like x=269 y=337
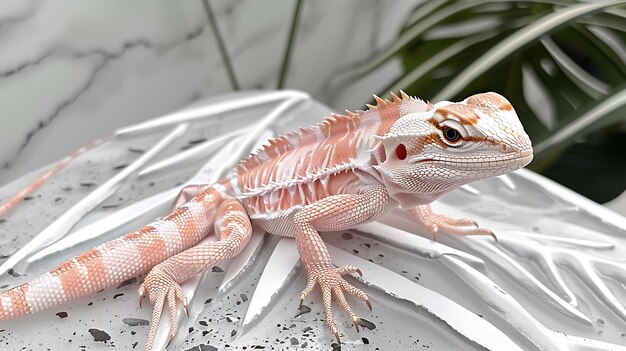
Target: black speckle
x=123 y=165
x=244 y=297
x=204 y=323
x=2 y=220
x=99 y=335
x=127 y=282
x=600 y=321
x=304 y=345
x=117 y=295
x=346 y=236
x=136 y=150
x=217 y=269
x=208 y=301
x=4 y=286
x=307 y=329
x=58 y=199
x=133 y=322
x=196 y=141
x=13 y=273
x=87 y=184
x=366 y=324
x=191 y=329
x=202 y=347
x=335 y=346
x=355 y=251
x=294 y=341
x=367 y=245
x=233 y=332
x=302 y=310
x=365 y=340
x=62 y=314
x=28 y=198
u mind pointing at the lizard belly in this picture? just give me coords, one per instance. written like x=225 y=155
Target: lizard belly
x=280 y=223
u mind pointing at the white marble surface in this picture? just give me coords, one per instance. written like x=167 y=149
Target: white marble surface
x=74 y=71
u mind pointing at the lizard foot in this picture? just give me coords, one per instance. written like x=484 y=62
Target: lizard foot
x=162 y=288
x=434 y=222
x=460 y=226
x=332 y=283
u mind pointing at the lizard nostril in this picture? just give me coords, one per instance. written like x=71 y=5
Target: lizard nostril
x=504 y=147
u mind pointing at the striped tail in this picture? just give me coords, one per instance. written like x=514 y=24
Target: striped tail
x=115 y=261
x=57 y=167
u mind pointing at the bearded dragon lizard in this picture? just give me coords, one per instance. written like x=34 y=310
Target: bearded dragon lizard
x=345 y=171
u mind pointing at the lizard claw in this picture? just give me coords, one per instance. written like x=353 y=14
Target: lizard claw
x=434 y=222
x=332 y=283
x=368 y=303
x=460 y=226
x=355 y=321
x=186 y=308
x=337 y=337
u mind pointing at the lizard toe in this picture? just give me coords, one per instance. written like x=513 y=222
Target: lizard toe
x=162 y=289
x=332 y=283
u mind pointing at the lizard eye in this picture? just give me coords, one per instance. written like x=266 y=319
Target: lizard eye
x=452 y=132
x=452 y=135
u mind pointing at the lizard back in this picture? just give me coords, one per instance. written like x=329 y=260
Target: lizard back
x=340 y=143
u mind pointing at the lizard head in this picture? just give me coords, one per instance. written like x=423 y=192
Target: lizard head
x=426 y=154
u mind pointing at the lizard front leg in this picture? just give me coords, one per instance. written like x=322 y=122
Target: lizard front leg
x=162 y=284
x=334 y=213
x=434 y=222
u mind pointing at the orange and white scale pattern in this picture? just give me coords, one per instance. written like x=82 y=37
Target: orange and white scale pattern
x=380 y=151
x=304 y=166
x=115 y=261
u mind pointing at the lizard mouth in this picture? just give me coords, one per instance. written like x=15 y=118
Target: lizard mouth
x=521 y=158
x=525 y=157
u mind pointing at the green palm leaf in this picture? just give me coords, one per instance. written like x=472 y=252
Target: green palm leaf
x=562 y=64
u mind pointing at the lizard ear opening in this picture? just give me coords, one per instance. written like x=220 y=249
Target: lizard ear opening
x=401 y=151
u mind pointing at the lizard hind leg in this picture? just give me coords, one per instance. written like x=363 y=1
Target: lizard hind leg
x=162 y=284
x=187 y=193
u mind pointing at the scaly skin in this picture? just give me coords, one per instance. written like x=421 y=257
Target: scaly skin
x=345 y=171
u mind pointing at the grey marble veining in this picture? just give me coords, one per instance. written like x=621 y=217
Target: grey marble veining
x=72 y=72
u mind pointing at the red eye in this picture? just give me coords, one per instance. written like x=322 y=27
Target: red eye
x=401 y=151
